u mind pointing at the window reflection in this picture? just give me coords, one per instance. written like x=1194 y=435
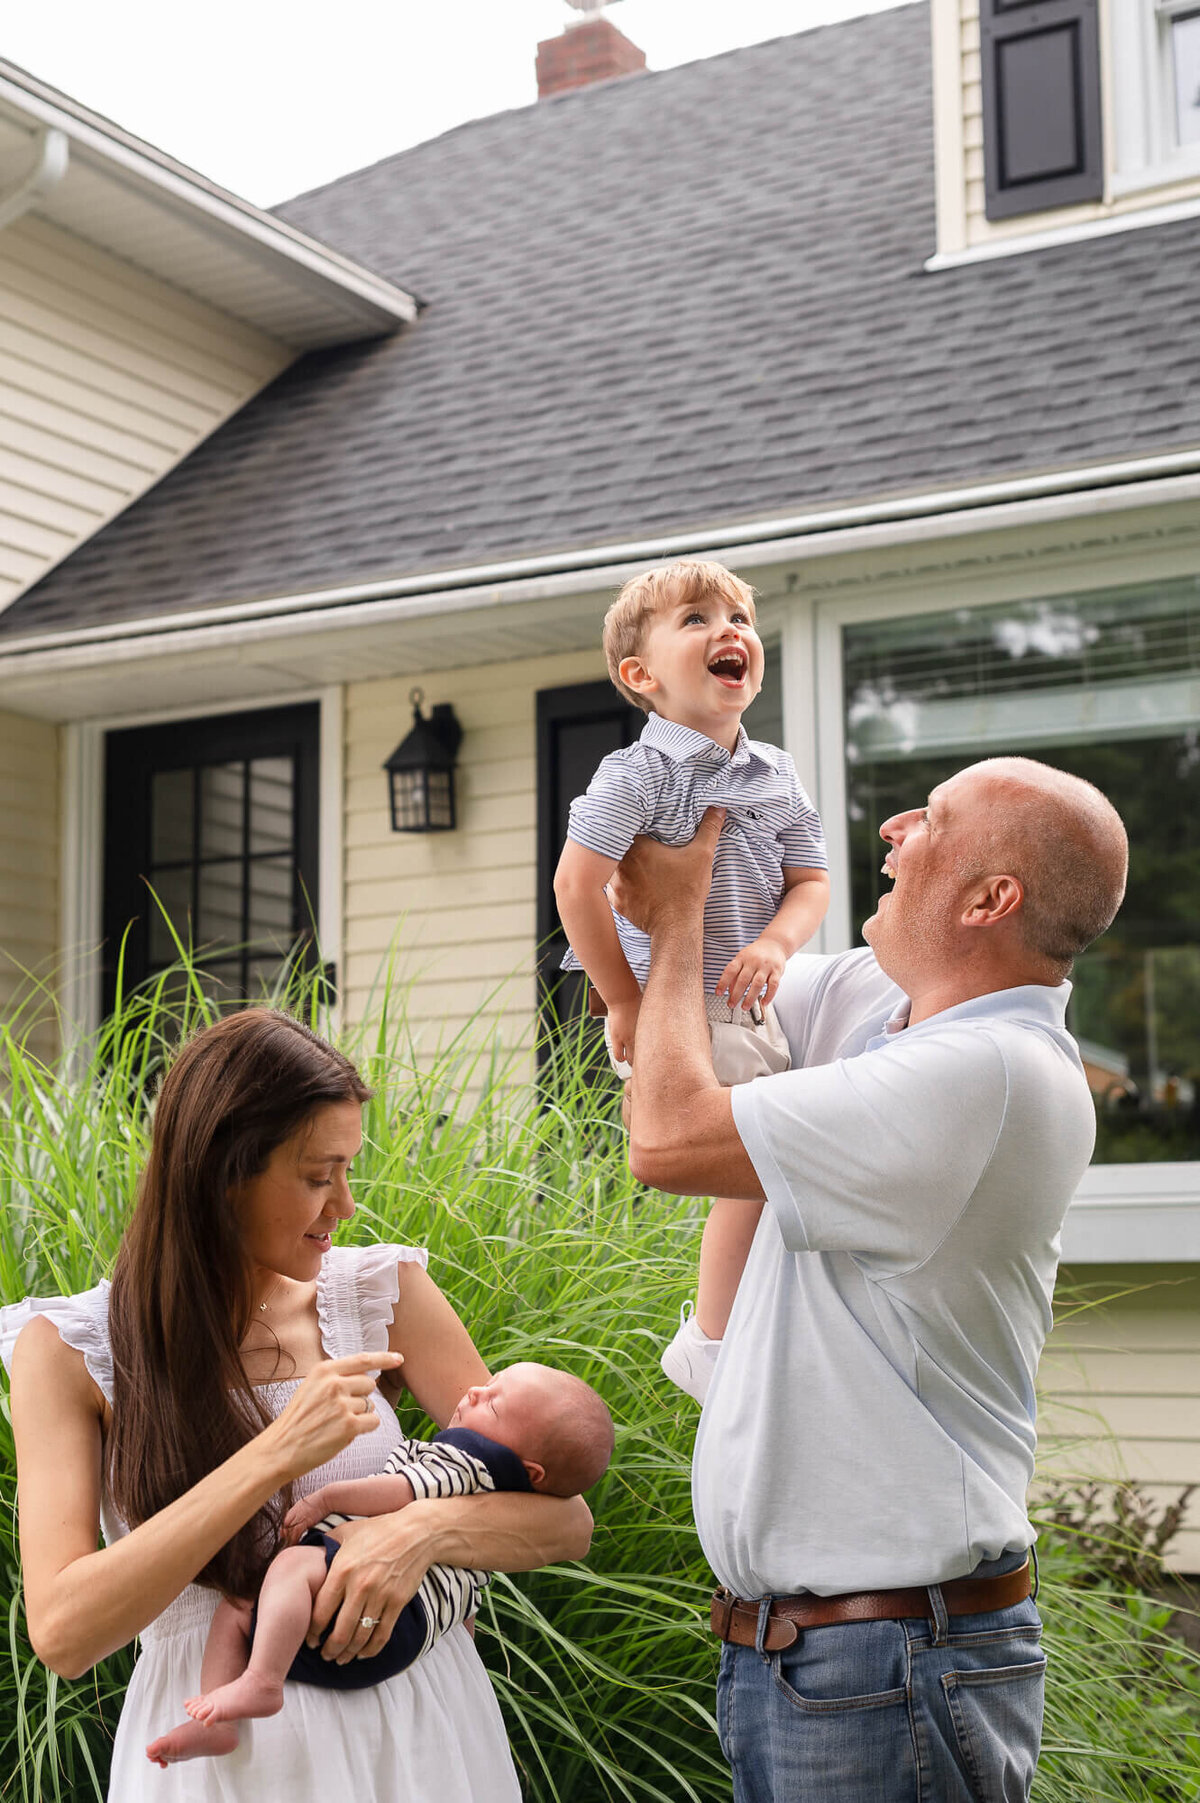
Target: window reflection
x=1109 y=689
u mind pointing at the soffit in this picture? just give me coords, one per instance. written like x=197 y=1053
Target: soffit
x=130 y=200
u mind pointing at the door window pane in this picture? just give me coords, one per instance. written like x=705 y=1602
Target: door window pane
x=270 y=804
x=1108 y=688
x=270 y=914
x=219 y=887
x=171 y=816
x=173 y=889
x=221 y=795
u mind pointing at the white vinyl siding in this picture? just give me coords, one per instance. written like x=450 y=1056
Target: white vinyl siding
x=460 y=909
x=1120 y=1387
x=29 y=854
x=108 y=377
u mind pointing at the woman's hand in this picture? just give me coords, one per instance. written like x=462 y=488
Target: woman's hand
x=383 y=1560
x=332 y=1407
x=378 y=1571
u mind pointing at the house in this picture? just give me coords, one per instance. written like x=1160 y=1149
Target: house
x=890 y=315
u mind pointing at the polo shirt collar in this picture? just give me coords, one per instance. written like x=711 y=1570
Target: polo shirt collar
x=1033 y=1004
x=682 y=743
x=1030 y=1004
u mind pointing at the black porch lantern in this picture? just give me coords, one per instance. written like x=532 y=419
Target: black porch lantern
x=421 y=771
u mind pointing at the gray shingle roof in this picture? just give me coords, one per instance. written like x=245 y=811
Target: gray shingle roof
x=684 y=298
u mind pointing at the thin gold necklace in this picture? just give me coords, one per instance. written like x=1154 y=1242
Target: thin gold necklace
x=262 y=1307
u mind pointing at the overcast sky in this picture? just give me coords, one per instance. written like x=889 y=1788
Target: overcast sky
x=270 y=97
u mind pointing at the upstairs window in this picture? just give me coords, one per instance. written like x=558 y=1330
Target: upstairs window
x=1156 y=92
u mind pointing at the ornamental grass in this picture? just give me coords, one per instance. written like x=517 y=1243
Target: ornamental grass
x=549 y=1250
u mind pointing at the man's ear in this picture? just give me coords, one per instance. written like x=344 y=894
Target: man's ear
x=536 y=1473
x=997 y=898
x=636 y=676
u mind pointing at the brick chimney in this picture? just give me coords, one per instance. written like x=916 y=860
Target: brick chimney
x=590 y=49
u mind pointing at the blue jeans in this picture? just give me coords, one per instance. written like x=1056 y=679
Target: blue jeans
x=888 y=1712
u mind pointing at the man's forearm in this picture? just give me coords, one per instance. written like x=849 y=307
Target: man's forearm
x=682 y=1137
x=674 y=1062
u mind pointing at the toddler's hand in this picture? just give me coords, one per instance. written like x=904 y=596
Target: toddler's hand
x=622 y=1025
x=754 y=974
x=303 y=1515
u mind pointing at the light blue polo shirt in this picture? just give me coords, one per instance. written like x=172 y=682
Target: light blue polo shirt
x=870 y=1421
x=662 y=785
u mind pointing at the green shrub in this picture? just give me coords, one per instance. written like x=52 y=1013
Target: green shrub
x=549 y=1250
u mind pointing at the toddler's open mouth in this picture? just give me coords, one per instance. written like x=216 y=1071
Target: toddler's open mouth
x=730 y=666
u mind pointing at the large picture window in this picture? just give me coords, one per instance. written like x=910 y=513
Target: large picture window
x=1105 y=686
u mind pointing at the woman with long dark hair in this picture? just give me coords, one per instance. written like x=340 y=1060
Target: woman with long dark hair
x=230 y=1366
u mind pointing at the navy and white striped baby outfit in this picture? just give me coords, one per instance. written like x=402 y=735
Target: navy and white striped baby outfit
x=456 y=1462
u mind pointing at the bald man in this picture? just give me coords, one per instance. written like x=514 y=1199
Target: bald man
x=868 y=1438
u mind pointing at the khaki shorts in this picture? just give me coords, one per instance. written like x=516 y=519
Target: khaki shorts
x=745 y=1043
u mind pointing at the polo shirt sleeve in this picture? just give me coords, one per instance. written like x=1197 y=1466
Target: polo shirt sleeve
x=876 y=1155
x=803 y=837
x=616 y=807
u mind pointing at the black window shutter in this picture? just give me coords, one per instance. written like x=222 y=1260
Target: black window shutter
x=1042 y=137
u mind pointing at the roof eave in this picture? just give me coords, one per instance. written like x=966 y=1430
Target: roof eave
x=1015 y=502
x=356 y=302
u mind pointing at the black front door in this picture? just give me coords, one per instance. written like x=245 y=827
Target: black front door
x=217 y=819
x=576 y=727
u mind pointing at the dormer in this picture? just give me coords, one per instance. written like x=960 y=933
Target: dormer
x=1060 y=119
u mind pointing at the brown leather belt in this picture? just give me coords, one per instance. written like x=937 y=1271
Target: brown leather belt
x=736 y=1620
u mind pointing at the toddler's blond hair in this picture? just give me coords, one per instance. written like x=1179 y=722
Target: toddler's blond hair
x=644 y=597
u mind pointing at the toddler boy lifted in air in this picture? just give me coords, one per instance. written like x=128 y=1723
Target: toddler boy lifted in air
x=681 y=644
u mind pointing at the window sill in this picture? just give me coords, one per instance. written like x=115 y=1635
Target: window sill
x=1051 y=236
x=1134 y=1214
x=1183 y=167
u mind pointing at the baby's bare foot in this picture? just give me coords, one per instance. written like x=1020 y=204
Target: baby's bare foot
x=246 y=1696
x=192 y=1741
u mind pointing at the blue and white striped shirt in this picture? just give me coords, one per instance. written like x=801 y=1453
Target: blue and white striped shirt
x=661 y=786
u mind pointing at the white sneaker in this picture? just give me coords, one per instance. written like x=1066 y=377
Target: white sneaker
x=689 y=1360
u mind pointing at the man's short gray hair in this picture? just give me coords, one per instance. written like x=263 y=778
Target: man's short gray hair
x=1066 y=844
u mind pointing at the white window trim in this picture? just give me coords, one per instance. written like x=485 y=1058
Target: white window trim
x=1146 y=154
x=82 y=841
x=1121 y=1213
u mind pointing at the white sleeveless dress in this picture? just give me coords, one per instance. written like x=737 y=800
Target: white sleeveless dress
x=432 y=1734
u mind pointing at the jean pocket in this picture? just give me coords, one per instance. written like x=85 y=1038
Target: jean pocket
x=997 y=1717
x=863 y=1665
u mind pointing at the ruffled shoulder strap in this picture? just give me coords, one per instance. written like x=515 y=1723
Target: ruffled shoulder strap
x=82 y=1322
x=357 y=1292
